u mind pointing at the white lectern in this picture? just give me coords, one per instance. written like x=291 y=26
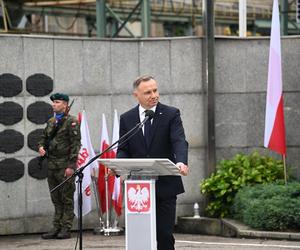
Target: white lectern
x=140 y=216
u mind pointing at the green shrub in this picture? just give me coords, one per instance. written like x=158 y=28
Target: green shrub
x=269 y=206
x=233 y=174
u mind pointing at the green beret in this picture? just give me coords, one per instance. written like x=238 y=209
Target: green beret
x=59 y=96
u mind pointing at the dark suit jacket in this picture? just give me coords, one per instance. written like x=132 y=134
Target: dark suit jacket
x=167 y=141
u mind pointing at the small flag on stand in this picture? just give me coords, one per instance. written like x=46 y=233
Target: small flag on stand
x=117 y=195
x=103 y=170
x=85 y=154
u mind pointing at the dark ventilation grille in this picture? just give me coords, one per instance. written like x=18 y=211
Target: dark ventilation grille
x=39 y=112
x=37 y=168
x=11 y=170
x=10 y=85
x=11 y=141
x=33 y=138
x=39 y=85
x=10 y=113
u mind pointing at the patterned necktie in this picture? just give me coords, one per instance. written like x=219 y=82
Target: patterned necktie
x=147 y=129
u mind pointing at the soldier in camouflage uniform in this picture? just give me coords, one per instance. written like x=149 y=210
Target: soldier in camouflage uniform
x=61 y=151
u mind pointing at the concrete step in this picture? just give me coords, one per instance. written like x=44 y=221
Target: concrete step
x=228 y=228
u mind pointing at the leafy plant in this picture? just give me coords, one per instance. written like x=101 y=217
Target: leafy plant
x=235 y=173
x=269 y=206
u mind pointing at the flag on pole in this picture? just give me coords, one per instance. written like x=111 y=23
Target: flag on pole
x=85 y=154
x=79 y=117
x=274 y=120
x=103 y=170
x=117 y=195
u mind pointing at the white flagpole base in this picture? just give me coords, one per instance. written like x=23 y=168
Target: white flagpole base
x=112 y=231
x=98 y=230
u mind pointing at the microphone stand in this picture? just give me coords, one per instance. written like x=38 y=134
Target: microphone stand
x=79 y=172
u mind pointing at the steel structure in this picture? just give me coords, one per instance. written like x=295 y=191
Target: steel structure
x=140 y=18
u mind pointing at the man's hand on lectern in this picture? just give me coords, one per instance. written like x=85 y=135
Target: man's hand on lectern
x=183 y=169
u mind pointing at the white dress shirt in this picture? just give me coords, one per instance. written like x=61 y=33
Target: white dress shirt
x=142 y=114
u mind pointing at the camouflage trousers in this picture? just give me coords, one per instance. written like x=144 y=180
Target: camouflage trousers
x=62 y=199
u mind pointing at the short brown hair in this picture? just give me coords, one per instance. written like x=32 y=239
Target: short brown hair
x=143 y=78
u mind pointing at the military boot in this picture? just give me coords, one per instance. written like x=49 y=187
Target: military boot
x=51 y=234
x=64 y=234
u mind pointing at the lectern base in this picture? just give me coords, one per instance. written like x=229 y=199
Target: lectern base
x=140 y=217
x=140 y=206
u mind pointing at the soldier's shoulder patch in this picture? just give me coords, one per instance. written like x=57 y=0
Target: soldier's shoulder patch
x=72 y=121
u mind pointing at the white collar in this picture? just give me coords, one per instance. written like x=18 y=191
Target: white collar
x=142 y=110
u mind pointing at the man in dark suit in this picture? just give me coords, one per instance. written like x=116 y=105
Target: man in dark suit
x=164 y=138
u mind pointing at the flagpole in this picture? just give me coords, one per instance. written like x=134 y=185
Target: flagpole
x=106 y=232
x=100 y=229
x=115 y=137
x=116 y=222
x=80 y=178
x=285 y=171
x=274 y=138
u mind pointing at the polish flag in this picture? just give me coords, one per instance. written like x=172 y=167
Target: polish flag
x=274 y=120
x=103 y=170
x=85 y=154
x=79 y=117
x=117 y=195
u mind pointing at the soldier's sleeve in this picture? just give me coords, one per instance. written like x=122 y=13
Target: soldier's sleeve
x=44 y=138
x=75 y=140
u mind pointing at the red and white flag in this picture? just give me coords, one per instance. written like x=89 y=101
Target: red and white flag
x=274 y=120
x=85 y=154
x=103 y=170
x=117 y=195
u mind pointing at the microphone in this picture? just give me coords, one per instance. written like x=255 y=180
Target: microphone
x=149 y=114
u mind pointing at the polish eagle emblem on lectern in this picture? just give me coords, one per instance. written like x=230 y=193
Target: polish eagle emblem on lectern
x=138 y=197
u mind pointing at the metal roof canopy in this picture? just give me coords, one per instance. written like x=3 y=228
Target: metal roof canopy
x=182 y=11
x=58 y=2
